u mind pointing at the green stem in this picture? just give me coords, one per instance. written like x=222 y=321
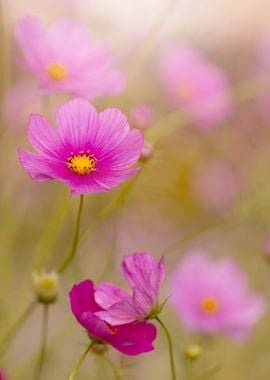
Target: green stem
x=114 y=368
x=13 y=330
x=70 y=256
x=44 y=338
x=80 y=361
x=170 y=347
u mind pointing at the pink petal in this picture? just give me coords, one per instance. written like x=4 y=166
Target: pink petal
x=137 y=268
x=77 y=123
x=120 y=313
x=124 y=154
x=112 y=129
x=82 y=298
x=28 y=33
x=134 y=339
x=106 y=294
x=44 y=138
x=39 y=168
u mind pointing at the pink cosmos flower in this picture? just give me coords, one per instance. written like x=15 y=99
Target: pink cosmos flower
x=196 y=86
x=142 y=115
x=2 y=376
x=90 y=152
x=144 y=275
x=130 y=339
x=65 y=59
x=213 y=296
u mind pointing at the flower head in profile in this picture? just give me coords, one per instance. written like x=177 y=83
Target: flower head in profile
x=89 y=151
x=144 y=275
x=130 y=339
x=196 y=86
x=213 y=296
x=64 y=59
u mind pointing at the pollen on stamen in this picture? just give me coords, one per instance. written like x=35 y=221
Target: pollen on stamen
x=57 y=72
x=82 y=164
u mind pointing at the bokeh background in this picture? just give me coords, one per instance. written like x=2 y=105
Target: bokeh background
x=199 y=189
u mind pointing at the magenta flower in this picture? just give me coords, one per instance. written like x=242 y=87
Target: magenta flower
x=194 y=85
x=90 y=152
x=213 y=296
x=130 y=339
x=65 y=59
x=144 y=275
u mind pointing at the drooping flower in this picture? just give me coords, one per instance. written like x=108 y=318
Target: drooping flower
x=142 y=115
x=64 y=59
x=90 y=152
x=196 y=86
x=144 y=275
x=213 y=296
x=130 y=339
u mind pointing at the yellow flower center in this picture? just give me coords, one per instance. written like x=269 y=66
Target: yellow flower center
x=209 y=305
x=57 y=71
x=185 y=91
x=82 y=164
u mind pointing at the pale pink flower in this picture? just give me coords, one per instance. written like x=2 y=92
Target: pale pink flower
x=142 y=115
x=195 y=85
x=65 y=59
x=89 y=151
x=213 y=296
x=144 y=275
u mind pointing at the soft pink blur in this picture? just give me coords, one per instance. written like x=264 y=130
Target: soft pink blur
x=217 y=183
x=213 y=296
x=196 y=86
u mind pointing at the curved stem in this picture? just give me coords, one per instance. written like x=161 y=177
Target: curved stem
x=44 y=338
x=70 y=256
x=80 y=361
x=170 y=347
x=13 y=330
x=114 y=368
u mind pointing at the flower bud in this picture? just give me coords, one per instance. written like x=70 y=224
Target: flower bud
x=46 y=286
x=193 y=352
x=146 y=152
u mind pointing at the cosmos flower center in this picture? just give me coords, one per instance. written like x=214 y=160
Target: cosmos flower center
x=209 y=305
x=83 y=163
x=57 y=71
x=185 y=91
